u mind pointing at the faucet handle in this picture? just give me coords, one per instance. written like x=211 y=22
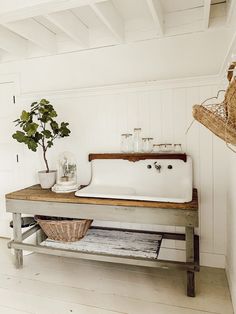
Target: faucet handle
x=158 y=167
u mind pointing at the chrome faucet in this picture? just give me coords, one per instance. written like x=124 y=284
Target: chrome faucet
x=158 y=167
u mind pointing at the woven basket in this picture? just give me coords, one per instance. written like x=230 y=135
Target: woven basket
x=221 y=118
x=64 y=229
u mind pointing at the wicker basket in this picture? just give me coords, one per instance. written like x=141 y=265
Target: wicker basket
x=63 y=229
x=221 y=118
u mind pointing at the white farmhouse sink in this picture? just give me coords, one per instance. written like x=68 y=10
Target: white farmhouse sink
x=122 y=179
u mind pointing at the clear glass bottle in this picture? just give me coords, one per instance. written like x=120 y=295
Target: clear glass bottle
x=137 y=141
x=166 y=147
x=177 y=147
x=126 y=143
x=147 y=144
x=156 y=148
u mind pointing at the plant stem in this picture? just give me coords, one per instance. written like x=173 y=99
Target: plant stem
x=44 y=149
x=45 y=160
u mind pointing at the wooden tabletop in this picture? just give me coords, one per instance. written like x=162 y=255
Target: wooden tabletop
x=36 y=193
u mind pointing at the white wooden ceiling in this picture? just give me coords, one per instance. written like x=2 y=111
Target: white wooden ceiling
x=31 y=28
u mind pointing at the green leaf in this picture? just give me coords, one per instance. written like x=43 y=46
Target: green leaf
x=38 y=136
x=53 y=114
x=45 y=118
x=44 y=101
x=64 y=131
x=19 y=136
x=47 y=133
x=32 y=129
x=54 y=127
x=32 y=145
x=24 y=115
x=50 y=144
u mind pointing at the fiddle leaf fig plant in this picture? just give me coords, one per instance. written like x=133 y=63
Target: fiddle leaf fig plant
x=39 y=128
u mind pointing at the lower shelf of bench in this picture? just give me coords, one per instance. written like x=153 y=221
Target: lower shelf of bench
x=138 y=248
x=114 y=242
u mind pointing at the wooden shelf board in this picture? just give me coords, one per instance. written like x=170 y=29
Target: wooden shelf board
x=36 y=193
x=138 y=156
x=115 y=242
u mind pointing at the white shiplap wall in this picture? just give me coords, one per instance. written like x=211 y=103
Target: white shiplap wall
x=164 y=112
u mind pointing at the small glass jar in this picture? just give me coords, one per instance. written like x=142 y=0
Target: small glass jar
x=147 y=144
x=166 y=147
x=137 y=141
x=67 y=170
x=126 y=143
x=177 y=147
x=156 y=148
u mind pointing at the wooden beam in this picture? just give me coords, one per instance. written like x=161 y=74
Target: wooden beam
x=100 y=257
x=44 y=8
x=157 y=14
x=110 y=18
x=12 y=43
x=207 y=11
x=35 y=32
x=70 y=24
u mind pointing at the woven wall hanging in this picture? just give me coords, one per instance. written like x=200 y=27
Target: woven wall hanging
x=221 y=118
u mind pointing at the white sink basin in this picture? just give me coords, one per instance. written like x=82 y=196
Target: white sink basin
x=122 y=179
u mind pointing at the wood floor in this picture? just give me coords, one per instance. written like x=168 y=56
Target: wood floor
x=56 y=285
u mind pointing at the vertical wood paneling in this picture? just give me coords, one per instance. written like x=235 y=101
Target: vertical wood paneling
x=220 y=159
x=97 y=122
x=167 y=116
x=179 y=129
x=206 y=181
x=179 y=117
x=192 y=138
x=155 y=116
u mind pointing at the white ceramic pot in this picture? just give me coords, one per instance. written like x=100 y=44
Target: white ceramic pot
x=47 y=179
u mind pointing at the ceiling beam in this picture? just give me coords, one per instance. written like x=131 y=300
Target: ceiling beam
x=13 y=43
x=110 y=17
x=207 y=11
x=34 y=32
x=44 y=8
x=157 y=14
x=71 y=26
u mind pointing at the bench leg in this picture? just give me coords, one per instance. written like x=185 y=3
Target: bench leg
x=190 y=283
x=189 y=234
x=17 y=236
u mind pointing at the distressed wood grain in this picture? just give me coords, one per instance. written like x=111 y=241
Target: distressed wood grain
x=114 y=242
x=35 y=193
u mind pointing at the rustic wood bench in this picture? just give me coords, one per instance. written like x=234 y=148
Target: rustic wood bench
x=35 y=201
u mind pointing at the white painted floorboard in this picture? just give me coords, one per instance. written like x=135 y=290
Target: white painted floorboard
x=56 y=285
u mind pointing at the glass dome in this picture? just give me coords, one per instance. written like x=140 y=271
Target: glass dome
x=67 y=169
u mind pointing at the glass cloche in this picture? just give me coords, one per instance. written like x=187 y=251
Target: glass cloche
x=66 y=173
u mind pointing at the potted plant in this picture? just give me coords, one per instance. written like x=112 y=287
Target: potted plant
x=39 y=128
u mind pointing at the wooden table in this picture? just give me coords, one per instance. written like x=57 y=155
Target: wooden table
x=35 y=201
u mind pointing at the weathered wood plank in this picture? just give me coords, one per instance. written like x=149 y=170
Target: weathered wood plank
x=29 y=232
x=17 y=235
x=138 y=261
x=139 y=156
x=189 y=244
x=160 y=216
x=190 y=283
x=35 y=193
x=189 y=259
x=119 y=243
